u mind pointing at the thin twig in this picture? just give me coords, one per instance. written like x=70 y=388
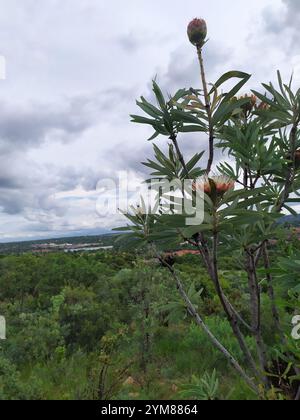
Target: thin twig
x=255 y=301
x=180 y=155
x=271 y=292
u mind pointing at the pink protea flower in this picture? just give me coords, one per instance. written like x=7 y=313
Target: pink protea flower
x=221 y=183
x=197 y=32
x=202 y=184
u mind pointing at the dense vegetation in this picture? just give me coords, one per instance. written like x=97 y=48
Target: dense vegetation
x=112 y=325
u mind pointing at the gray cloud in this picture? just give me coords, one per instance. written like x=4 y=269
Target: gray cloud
x=12 y=202
x=183 y=69
x=23 y=127
x=129 y=42
x=293 y=9
x=28 y=185
x=284 y=21
x=7 y=182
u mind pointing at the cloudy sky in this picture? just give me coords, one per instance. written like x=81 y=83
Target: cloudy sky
x=73 y=71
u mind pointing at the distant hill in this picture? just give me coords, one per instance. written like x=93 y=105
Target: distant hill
x=291 y=220
x=106 y=239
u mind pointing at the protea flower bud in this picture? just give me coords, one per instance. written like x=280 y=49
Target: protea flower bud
x=197 y=32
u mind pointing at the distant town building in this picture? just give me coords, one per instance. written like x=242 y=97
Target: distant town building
x=67 y=247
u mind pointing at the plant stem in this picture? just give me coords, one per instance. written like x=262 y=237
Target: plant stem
x=204 y=253
x=205 y=328
x=180 y=155
x=228 y=309
x=298 y=395
x=208 y=110
x=255 y=302
x=271 y=292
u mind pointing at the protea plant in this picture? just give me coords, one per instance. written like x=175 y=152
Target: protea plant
x=257 y=131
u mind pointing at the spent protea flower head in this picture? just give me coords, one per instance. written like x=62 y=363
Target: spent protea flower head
x=253 y=104
x=263 y=106
x=197 y=32
x=138 y=210
x=219 y=183
x=248 y=107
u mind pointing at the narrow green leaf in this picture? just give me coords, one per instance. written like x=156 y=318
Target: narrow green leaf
x=227 y=76
x=159 y=95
